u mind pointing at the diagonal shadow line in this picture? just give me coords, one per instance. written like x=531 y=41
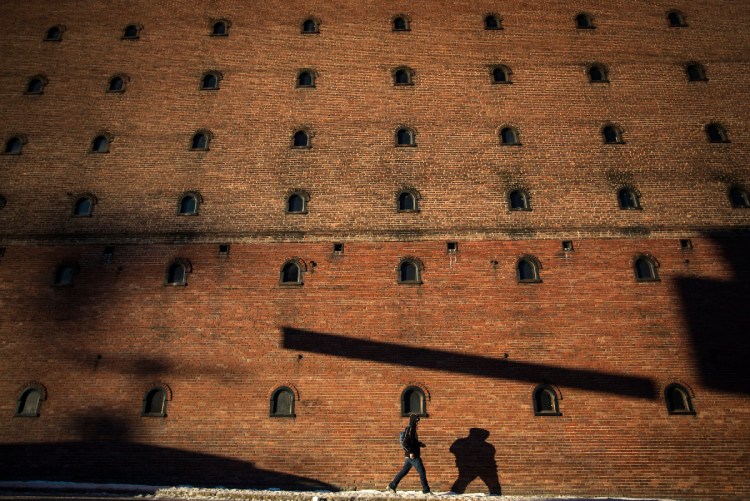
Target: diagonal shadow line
x=389 y=353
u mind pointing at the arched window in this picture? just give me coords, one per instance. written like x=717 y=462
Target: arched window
x=518 y=200
x=678 y=399
x=584 y=22
x=527 y=270
x=716 y=133
x=210 y=81
x=116 y=84
x=100 y=144
x=36 y=85
x=493 y=22
x=83 y=207
x=403 y=76
x=14 y=145
x=545 y=401
x=645 y=269
x=64 y=274
x=291 y=273
x=739 y=198
x=155 y=403
x=413 y=401
x=131 y=32
x=628 y=199
x=282 y=403
x=597 y=73
x=29 y=402
x=301 y=139
x=54 y=34
x=410 y=272
x=407 y=201
x=509 y=136
x=696 y=72
x=612 y=134
x=200 y=141
x=220 y=29
x=296 y=203
x=401 y=23
x=500 y=74
x=189 y=204
x=676 y=19
x=405 y=137
x=310 y=25
x=306 y=78
x=177 y=272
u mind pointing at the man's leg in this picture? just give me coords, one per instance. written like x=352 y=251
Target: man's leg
x=419 y=466
x=401 y=474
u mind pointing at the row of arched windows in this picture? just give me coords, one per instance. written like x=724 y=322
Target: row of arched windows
x=404 y=136
x=409 y=271
x=399 y=22
x=545 y=401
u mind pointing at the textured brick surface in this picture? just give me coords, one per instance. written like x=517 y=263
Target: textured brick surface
x=609 y=344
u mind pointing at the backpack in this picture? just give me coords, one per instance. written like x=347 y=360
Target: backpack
x=402 y=437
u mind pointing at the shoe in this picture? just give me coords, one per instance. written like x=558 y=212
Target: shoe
x=391 y=490
x=427 y=493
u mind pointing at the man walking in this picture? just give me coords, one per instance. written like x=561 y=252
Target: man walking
x=412 y=447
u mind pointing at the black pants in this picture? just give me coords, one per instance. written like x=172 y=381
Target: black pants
x=417 y=464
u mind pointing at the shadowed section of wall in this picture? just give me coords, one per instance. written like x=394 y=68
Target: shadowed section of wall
x=360 y=349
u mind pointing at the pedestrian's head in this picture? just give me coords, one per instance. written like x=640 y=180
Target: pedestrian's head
x=413 y=420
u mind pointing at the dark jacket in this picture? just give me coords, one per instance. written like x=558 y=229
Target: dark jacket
x=412 y=443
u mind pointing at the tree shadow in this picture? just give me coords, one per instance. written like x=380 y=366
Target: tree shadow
x=475 y=457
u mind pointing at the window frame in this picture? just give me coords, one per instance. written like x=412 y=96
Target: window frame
x=506 y=71
x=701 y=70
x=274 y=400
x=216 y=22
x=653 y=265
x=216 y=74
x=524 y=194
x=410 y=75
x=407 y=23
x=422 y=393
x=59 y=38
x=555 y=401
x=316 y=26
x=300 y=269
x=682 y=19
x=412 y=135
x=34 y=78
x=21 y=401
x=138 y=28
x=743 y=193
x=208 y=137
x=305 y=200
x=198 y=201
x=589 y=20
x=720 y=130
x=497 y=19
x=58 y=275
x=516 y=135
x=165 y=398
x=419 y=271
x=636 y=196
x=18 y=139
x=602 y=68
x=313 y=78
x=308 y=139
x=536 y=268
x=415 y=197
x=186 y=270
x=98 y=151
x=85 y=196
x=125 y=80
x=687 y=399
x=617 y=129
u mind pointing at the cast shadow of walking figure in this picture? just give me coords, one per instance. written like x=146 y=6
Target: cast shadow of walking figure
x=475 y=457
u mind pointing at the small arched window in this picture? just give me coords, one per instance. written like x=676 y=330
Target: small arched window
x=527 y=270
x=29 y=402
x=546 y=401
x=696 y=72
x=282 y=403
x=716 y=133
x=405 y=137
x=301 y=139
x=310 y=26
x=739 y=198
x=306 y=78
x=296 y=203
x=509 y=137
x=678 y=400
x=189 y=204
x=13 y=146
x=645 y=269
x=401 y=23
x=83 y=207
x=131 y=32
x=493 y=22
x=54 y=34
x=220 y=29
x=36 y=85
x=100 y=144
x=584 y=22
x=210 y=81
x=409 y=272
x=500 y=74
x=116 y=84
x=155 y=403
x=413 y=401
x=676 y=19
x=612 y=134
x=597 y=73
x=200 y=141
x=407 y=201
x=177 y=272
x=628 y=199
x=403 y=76
x=64 y=275
x=518 y=200
x=291 y=273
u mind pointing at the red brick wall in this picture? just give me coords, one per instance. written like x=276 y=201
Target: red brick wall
x=218 y=343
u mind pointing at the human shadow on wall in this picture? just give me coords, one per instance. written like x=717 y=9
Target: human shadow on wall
x=475 y=457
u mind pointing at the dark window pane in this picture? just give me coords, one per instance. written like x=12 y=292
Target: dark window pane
x=677 y=400
x=583 y=21
x=526 y=271
x=406 y=201
x=154 y=402
x=64 y=275
x=675 y=19
x=188 y=205
x=402 y=77
x=610 y=134
x=13 y=146
x=309 y=26
x=29 y=405
x=404 y=136
x=200 y=141
x=35 y=86
x=54 y=33
x=283 y=403
x=83 y=207
x=176 y=274
x=518 y=200
x=220 y=28
x=499 y=75
x=596 y=74
x=116 y=84
x=305 y=79
x=695 y=72
x=547 y=401
x=628 y=199
x=716 y=134
x=491 y=23
x=290 y=273
x=509 y=136
x=399 y=24
x=210 y=82
x=739 y=198
x=416 y=402
x=408 y=272
x=100 y=144
x=296 y=204
x=300 y=138
x=131 y=31
x=644 y=270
